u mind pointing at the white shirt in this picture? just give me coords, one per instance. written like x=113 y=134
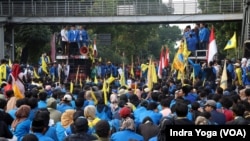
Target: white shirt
x=64 y=35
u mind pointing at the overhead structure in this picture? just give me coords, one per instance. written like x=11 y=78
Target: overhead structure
x=245 y=33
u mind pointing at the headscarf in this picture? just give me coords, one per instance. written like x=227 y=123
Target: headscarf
x=128 y=123
x=21 y=114
x=67 y=118
x=16 y=69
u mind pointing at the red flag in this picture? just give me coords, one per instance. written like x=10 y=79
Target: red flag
x=212 y=47
x=161 y=64
x=166 y=61
x=53 y=48
x=95 y=49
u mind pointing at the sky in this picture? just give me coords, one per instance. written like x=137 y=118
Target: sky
x=178 y=5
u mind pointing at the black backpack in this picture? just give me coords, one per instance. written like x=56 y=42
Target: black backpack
x=163 y=127
x=80 y=137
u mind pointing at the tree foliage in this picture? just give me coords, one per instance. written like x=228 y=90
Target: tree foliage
x=33 y=38
x=140 y=41
x=223 y=30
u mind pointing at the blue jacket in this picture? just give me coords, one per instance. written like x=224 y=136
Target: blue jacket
x=60 y=131
x=192 y=97
x=63 y=107
x=22 y=129
x=191 y=43
x=42 y=137
x=196 y=67
x=12 y=113
x=245 y=79
x=82 y=35
x=104 y=114
x=126 y=135
x=156 y=117
x=153 y=139
x=218 y=117
x=32 y=113
x=204 y=34
x=51 y=132
x=72 y=36
x=115 y=124
x=172 y=89
x=42 y=104
x=137 y=113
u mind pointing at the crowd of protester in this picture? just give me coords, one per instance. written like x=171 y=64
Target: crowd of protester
x=49 y=111
x=46 y=108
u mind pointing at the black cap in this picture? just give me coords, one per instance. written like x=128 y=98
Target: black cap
x=81 y=124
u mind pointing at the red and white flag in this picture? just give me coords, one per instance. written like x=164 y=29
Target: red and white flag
x=212 y=47
x=161 y=63
x=95 y=49
x=166 y=61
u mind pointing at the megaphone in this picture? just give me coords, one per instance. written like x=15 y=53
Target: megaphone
x=84 y=50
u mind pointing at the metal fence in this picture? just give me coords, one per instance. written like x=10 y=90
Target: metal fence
x=115 y=8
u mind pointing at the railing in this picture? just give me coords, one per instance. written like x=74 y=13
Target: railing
x=199 y=55
x=65 y=8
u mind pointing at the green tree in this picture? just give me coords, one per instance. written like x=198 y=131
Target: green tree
x=32 y=39
x=223 y=30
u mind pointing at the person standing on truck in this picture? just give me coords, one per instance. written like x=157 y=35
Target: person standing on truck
x=82 y=37
x=64 y=41
x=72 y=37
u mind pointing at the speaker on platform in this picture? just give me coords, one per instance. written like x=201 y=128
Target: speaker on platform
x=84 y=50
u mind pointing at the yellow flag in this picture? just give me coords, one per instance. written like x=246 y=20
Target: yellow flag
x=179 y=75
x=132 y=68
x=10 y=64
x=150 y=76
x=100 y=59
x=223 y=82
x=154 y=74
x=96 y=81
x=3 y=71
x=94 y=98
x=132 y=71
x=71 y=87
x=231 y=43
x=35 y=74
x=179 y=60
x=144 y=67
x=122 y=79
x=110 y=79
x=17 y=91
x=44 y=66
x=104 y=89
x=88 y=80
x=186 y=52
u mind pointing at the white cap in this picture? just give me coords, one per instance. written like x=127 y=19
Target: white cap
x=146 y=90
x=67 y=97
